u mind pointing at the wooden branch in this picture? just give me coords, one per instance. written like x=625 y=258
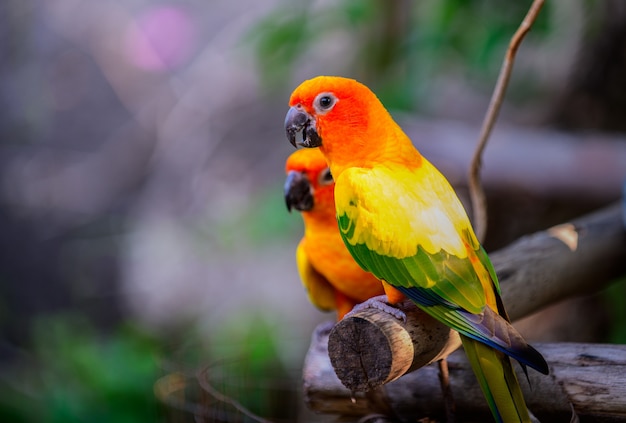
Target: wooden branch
x=371 y=348
x=479 y=202
x=589 y=379
x=571 y=259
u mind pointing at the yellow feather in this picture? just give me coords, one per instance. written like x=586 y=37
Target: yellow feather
x=320 y=292
x=403 y=213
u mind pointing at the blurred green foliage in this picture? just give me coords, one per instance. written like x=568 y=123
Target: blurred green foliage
x=252 y=370
x=241 y=362
x=396 y=47
x=74 y=373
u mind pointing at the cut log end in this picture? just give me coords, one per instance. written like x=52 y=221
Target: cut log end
x=371 y=348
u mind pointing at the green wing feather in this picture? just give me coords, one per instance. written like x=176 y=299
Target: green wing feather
x=409 y=229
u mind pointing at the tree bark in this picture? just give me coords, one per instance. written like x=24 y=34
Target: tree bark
x=370 y=349
x=575 y=258
x=588 y=379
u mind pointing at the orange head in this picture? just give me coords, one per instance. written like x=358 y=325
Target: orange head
x=309 y=186
x=347 y=121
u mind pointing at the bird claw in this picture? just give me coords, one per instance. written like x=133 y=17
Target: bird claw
x=379 y=303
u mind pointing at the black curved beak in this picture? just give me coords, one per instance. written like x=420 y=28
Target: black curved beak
x=297 y=120
x=298 y=192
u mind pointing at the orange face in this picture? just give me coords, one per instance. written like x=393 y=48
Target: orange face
x=331 y=276
x=326 y=102
x=309 y=186
x=345 y=120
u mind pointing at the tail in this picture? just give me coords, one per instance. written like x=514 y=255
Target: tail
x=498 y=382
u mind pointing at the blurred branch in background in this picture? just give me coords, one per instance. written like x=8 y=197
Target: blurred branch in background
x=477 y=194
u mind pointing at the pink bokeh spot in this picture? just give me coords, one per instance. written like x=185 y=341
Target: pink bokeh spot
x=161 y=38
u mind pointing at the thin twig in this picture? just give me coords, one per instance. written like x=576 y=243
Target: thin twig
x=446 y=389
x=479 y=203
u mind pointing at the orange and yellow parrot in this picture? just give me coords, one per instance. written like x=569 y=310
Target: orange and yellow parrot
x=402 y=221
x=333 y=280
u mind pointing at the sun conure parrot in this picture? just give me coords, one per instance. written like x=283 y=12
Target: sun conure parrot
x=402 y=221
x=333 y=280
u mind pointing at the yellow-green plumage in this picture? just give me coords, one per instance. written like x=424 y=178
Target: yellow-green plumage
x=497 y=380
x=402 y=221
x=409 y=229
x=410 y=215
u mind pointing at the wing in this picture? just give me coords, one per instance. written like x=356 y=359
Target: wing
x=408 y=228
x=320 y=292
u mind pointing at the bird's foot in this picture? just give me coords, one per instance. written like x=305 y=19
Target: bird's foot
x=379 y=303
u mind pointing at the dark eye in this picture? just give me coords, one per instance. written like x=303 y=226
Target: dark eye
x=326 y=102
x=325 y=177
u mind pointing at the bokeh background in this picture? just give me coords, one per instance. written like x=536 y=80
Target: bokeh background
x=144 y=237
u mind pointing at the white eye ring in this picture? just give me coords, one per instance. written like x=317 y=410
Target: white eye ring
x=324 y=102
x=325 y=177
